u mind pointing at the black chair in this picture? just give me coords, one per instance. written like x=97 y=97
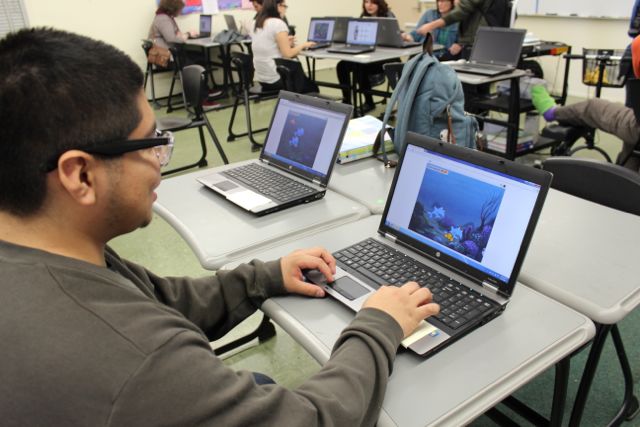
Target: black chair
x=194 y=87
x=618 y=188
x=295 y=80
x=152 y=69
x=242 y=63
x=393 y=71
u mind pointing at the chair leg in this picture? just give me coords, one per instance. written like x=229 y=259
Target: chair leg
x=231 y=135
x=255 y=146
x=173 y=83
x=216 y=141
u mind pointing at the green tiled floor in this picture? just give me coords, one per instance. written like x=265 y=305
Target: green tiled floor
x=162 y=250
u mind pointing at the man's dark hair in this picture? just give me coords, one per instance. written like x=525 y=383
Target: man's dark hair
x=58 y=91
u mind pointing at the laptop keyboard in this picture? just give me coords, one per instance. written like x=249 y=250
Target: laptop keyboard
x=269 y=183
x=382 y=265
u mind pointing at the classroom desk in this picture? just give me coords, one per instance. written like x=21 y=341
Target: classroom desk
x=218 y=231
x=380 y=54
x=585 y=255
x=462 y=381
x=367 y=181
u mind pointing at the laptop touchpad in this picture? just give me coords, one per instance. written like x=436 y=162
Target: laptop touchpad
x=349 y=288
x=225 y=185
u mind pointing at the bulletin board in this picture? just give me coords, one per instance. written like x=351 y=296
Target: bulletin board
x=577 y=8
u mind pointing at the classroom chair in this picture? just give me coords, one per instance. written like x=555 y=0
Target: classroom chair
x=151 y=70
x=242 y=63
x=295 y=80
x=194 y=87
x=618 y=188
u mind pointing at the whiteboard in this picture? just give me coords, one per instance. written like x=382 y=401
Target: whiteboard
x=580 y=8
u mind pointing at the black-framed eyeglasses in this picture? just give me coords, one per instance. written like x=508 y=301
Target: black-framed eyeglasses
x=162 y=144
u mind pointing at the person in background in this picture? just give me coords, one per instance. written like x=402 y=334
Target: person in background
x=370 y=8
x=445 y=36
x=164 y=32
x=99 y=340
x=470 y=14
x=270 y=40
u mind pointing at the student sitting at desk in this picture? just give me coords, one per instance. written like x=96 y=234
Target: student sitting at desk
x=164 y=30
x=445 y=36
x=370 y=8
x=470 y=14
x=98 y=340
x=270 y=40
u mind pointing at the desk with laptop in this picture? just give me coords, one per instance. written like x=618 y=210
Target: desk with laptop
x=476 y=352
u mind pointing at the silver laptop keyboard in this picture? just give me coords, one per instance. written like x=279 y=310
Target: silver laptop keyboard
x=269 y=183
x=384 y=265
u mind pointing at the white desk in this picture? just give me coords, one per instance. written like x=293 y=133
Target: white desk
x=219 y=231
x=367 y=181
x=461 y=382
x=585 y=255
x=380 y=54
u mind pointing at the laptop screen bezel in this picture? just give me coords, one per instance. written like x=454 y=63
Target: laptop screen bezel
x=514 y=31
x=315 y=102
x=485 y=160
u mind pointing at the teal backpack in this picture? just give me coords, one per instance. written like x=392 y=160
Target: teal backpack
x=430 y=102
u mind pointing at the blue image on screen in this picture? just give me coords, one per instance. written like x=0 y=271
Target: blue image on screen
x=301 y=137
x=456 y=211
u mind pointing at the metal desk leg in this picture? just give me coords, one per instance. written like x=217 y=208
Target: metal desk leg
x=514 y=117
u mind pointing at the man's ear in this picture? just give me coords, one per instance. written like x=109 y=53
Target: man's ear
x=77 y=175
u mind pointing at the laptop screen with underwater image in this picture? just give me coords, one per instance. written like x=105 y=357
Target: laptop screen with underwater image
x=305 y=138
x=470 y=217
x=321 y=30
x=362 y=32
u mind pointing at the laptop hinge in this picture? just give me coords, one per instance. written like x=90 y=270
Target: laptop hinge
x=316 y=181
x=491 y=288
x=390 y=237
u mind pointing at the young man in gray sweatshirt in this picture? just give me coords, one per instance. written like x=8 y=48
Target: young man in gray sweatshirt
x=92 y=339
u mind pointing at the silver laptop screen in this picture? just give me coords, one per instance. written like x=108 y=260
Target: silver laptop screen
x=362 y=32
x=321 y=30
x=473 y=214
x=498 y=46
x=304 y=136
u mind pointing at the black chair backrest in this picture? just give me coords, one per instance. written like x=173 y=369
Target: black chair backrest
x=599 y=182
x=292 y=75
x=146 y=46
x=194 y=84
x=179 y=55
x=243 y=64
x=393 y=71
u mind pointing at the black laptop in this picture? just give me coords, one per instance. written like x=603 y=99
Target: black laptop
x=340 y=27
x=362 y=35
x=389 y=34
x=495 y=51
x=321 y=32
x=296 y=161
x=458 y=221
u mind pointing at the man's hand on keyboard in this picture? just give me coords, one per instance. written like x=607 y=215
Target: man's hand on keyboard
x=408 y=304
x=307 y=259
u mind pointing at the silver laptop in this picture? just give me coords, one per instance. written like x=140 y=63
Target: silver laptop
x=231 y=22
x=495 y=51
x=458 y=221
x=389 y=34
x=296 y=161
x=321 y=32
x=361 y=37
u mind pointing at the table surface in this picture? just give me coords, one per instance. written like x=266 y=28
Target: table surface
x=586 y=256
x=462 y=381
x=379 y=54
x=367 y=181
x=219 y=231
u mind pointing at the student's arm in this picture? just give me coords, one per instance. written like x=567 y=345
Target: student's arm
x=285 y=47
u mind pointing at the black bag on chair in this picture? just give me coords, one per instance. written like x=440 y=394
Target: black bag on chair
x=228 y=36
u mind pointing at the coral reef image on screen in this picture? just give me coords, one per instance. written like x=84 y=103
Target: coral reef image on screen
x=321 y=31
x=301 y=138
x=456 y=211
